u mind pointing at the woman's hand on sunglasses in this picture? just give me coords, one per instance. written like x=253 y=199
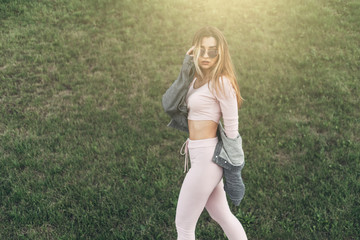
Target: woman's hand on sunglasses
x=190 y=52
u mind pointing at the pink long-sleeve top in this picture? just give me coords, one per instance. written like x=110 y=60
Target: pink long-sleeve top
x=204 y=104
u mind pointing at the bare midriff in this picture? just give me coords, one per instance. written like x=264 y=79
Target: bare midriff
x=202 y=129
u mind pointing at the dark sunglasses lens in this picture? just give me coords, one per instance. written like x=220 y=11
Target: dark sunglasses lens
x=212 y=53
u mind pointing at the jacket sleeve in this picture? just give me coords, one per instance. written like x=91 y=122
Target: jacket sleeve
x=174 y=97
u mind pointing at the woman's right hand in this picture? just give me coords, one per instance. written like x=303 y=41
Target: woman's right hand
x=190 y=52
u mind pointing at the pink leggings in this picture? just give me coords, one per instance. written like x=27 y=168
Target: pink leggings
x=203 y=187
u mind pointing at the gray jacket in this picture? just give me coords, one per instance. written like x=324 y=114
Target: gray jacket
x=228 y=152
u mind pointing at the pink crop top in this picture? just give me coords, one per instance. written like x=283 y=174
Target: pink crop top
x=203 y=104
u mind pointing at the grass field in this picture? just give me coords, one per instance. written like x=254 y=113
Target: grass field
x=84 y=148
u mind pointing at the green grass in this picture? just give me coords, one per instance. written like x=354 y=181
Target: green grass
x=84 y=148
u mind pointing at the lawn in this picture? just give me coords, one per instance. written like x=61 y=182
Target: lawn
x=85 y=152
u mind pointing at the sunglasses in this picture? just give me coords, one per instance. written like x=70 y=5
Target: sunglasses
x=212 y=53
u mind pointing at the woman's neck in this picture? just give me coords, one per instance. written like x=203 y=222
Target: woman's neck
x=206 y=72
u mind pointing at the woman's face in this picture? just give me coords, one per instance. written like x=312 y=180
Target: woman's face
x=208 y=54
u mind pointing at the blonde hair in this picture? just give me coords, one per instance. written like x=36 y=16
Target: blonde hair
x=223 y=67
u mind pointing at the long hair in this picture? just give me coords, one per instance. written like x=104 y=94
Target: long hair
x=223 y=67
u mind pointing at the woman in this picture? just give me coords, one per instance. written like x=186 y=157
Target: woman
x=205 y=91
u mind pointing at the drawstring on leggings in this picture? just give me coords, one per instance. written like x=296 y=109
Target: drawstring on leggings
x=184 y=151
